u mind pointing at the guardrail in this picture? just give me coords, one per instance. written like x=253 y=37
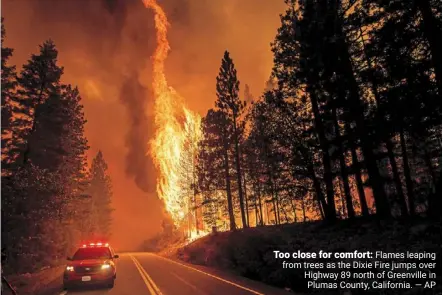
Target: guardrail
x=5 y=282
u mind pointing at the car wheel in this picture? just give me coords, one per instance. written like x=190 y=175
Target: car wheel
x=66 y=286
x=111 y=283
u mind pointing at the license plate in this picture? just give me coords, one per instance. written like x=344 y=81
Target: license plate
x=86 y=279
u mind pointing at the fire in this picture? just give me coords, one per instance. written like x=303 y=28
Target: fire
x=194 y=235
x=173 y=122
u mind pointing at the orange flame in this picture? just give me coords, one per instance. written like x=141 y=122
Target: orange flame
x=167 y=147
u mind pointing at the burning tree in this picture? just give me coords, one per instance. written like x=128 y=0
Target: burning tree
x=187 y=180
x=174 y=147
x=213 y=166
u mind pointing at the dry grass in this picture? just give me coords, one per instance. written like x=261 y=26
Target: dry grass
x=249 y=252
x=36 y=283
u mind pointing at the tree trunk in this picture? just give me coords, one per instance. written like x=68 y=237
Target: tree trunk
x=257 y=218
x=246 y=202
x=343 y=169
x=274 y=204
x=387 y=140
x=304 y=154
x=260 y=206
x=428 y=161
x=358 y=175
x=433 y=206
x=330 y=209
x=341 y=210
x=267 y=213
x=433 y=35
x=318 y=191
x=285 y=214
x=294 y=210
x=239 y=176
x=232 y=225
x=398 y=184
x=277 y=203
x=407 y=173
x=194 y=187
x=356 y=109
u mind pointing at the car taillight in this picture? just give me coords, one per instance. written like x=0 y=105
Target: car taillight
x=69 y=268
x=106 y=266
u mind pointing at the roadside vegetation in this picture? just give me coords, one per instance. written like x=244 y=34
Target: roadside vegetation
x=349 y=123
x=51 y=198
x=249 y=252
x=340 y=151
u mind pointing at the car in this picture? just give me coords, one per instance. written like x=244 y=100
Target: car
x=92 y=264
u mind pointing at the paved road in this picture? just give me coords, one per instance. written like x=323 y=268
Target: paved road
x=149 y=274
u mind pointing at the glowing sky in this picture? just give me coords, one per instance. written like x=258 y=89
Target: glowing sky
x=105 y=48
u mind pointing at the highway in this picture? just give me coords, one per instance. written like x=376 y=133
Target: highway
x=149 y=274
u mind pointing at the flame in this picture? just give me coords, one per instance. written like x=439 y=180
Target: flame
x=194 y=235
x=173 y=123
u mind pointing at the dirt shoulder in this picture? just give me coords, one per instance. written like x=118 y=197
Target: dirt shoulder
x=45 y=282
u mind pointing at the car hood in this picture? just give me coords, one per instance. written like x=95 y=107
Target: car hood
x=88 y=262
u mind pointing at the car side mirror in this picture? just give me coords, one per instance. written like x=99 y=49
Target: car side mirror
x=68 y=258
x=116 y=256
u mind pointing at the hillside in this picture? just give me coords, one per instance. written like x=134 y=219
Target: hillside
x=249 y=252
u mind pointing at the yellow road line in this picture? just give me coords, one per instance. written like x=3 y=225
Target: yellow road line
x=142 y=270
x=213 y=276
x=188 y=283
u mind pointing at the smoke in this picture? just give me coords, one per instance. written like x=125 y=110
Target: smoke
x=105 y=48
x=133 y=95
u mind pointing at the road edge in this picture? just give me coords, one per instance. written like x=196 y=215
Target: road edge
x=233 y=278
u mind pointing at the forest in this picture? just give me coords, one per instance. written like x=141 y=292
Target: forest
x=341 y=151
x=348 y=127
x=349 y=123
x=51 y=199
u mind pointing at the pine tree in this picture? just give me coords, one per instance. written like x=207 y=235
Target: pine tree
x=232 y=107
x=38 y=81
x=36 y=195
x=213 y=166
x=74 y=141
x=432 y=31
x=299 y=62
x=74 y=167
x=101 y=191
x=43 y=193
x=402 y=73
x=55 y=138
x=187 y=178
x=8 y=87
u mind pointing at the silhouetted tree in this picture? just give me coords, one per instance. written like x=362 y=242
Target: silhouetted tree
x=42 y=192
x=214 y=172
x=100 y=189
x=38 y=81
x=8 y=87
x=232 y=107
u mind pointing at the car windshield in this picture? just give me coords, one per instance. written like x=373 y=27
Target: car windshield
x=92 y=253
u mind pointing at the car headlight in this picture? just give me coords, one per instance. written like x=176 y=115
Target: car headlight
x=69 y=268
x=106 y=266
